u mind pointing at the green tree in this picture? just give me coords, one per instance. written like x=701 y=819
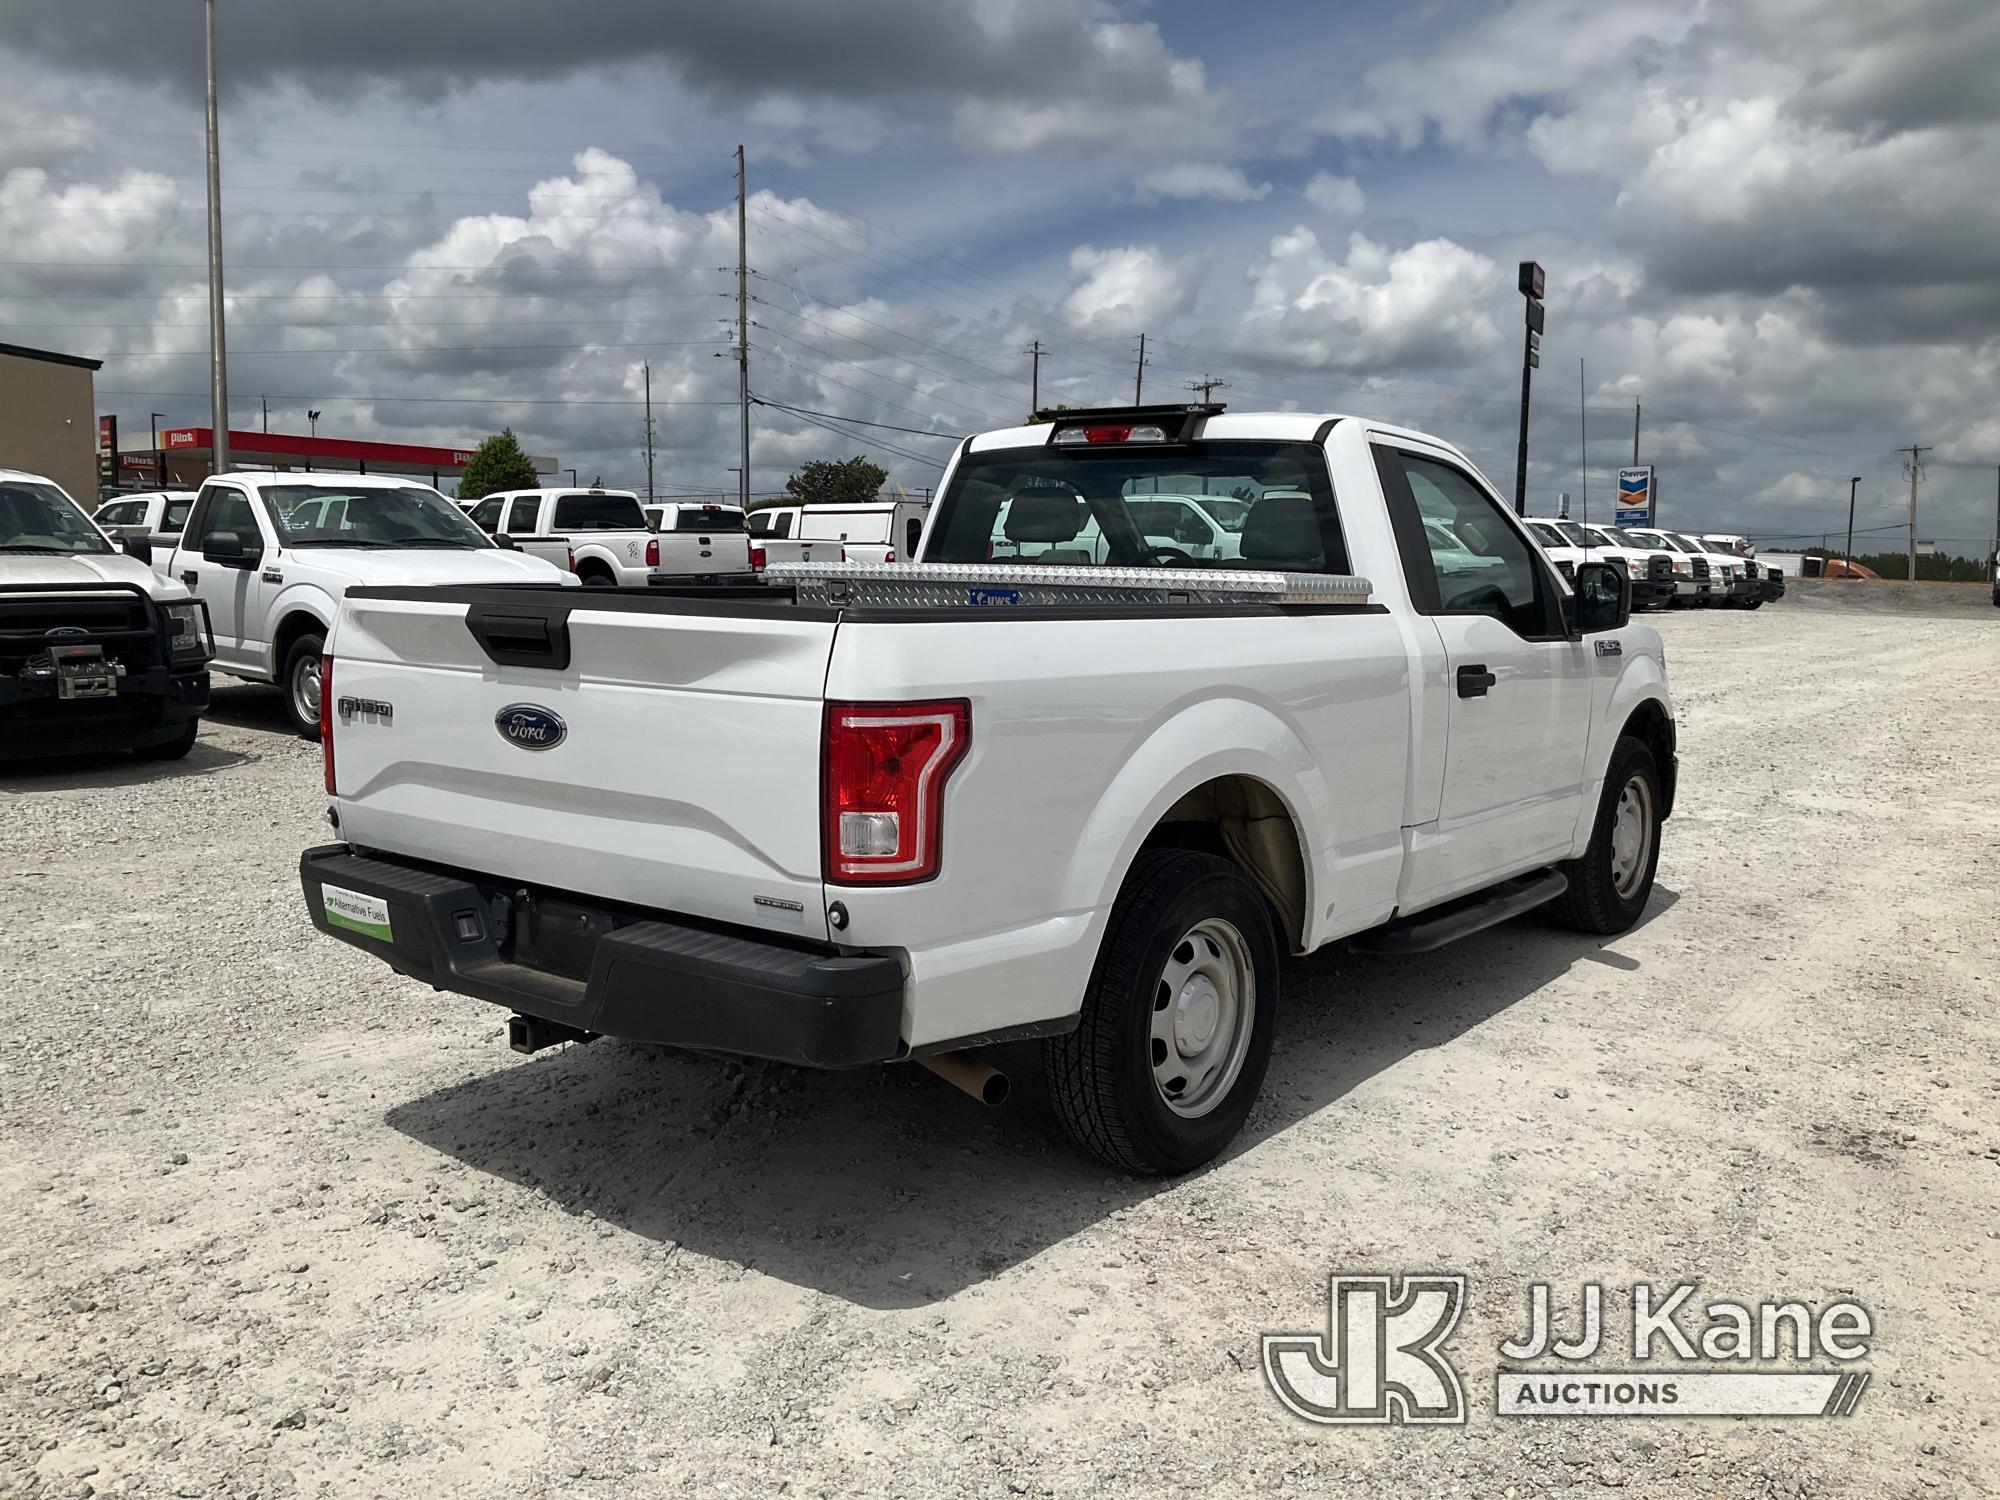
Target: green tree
x=498 y=465
x=846 y=481
x=1035 y=418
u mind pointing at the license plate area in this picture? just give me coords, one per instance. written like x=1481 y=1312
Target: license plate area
x=557 y=936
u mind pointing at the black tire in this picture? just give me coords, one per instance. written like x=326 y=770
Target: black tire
x=1599 y=898
x=172 y=749
x=303 y=658
x=1101 y=1077
x=596 y=578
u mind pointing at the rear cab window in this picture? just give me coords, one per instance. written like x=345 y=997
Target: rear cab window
x=1106 y=504
x=598 y=512
x=717 y=518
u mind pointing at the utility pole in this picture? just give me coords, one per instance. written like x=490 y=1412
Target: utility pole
x=742 y=321
x=1206 y=384
x=648 y=366
x=1035 y=377
x=218 y=363
x=1635 y=437
x=265 y=402
x=1996 y=528
x=1139 y=379
x=1532 y=282
x=1914 y=467
x=1852 y=485
x=1582 y=446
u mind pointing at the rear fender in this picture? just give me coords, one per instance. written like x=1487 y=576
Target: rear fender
x=1202 y=742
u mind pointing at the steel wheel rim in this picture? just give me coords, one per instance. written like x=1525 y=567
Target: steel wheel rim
x=1631 y=837
x=1204 y=1009
x=305 y=690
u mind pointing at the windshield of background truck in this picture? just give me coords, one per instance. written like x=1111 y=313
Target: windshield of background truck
x=41 y=518
x=1575 y=535
x=598 y=513
x=1621 y=538
x=1546 y=534
x=333 y=515
x=1058 y=507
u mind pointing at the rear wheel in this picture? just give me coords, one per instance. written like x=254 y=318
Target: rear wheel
x=1177 y=1020
x=1609 y=886
x=596 y=578
x=301 y=684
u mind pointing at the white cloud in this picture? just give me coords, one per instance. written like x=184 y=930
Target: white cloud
x=1139 y=96
x=1124 y=289
x=1200 y=179
x=1429 y=304
x=1340 y=196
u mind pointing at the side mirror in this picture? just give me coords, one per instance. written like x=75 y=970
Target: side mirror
x=136 y=544
x=228 y=549
x=505 y=542
x=1603 y=597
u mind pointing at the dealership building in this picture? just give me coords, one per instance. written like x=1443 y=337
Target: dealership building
x=48 y=417
x=186 y=456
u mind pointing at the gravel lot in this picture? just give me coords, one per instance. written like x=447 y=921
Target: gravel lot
x=278 y=1222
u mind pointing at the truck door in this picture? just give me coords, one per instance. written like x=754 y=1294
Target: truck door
x=1518 y=716
x=233 y=593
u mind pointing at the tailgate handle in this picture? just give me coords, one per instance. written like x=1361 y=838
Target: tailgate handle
x=516 y=637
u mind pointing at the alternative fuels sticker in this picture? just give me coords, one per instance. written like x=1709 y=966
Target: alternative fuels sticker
x=367 y=915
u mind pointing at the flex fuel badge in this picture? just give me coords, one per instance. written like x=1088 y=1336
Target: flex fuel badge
x=367 y=915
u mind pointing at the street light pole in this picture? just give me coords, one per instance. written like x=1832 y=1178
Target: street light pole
x=1532 y=283
x=218 y=364
x=1849 y=553
x=159 y=454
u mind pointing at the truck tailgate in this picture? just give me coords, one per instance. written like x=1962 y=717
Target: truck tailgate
x=683 y=775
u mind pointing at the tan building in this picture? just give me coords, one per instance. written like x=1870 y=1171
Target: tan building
x=48 y=418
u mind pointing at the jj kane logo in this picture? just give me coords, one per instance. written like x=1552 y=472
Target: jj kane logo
x=1382 y=1357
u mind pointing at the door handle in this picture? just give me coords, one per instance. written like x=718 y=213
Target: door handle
x=1474 y=680
x=190 y=578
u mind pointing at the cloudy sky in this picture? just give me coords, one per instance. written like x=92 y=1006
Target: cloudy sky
x=1772 y=223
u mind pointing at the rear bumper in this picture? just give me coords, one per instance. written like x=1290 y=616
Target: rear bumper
x=647 y=977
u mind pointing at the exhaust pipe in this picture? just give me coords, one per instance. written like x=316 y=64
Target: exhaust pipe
x=526 y=1034
x=962 y=1070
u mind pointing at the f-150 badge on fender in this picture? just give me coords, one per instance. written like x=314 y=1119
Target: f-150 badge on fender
x=530 y=726
x=1610 y=648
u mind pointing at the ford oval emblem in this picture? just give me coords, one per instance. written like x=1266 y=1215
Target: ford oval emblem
x=530 y=726
x=65 y=633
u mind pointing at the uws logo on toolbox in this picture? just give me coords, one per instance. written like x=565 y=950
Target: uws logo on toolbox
x=1382 y=1357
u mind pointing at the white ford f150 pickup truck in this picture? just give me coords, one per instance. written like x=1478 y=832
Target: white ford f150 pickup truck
x=600 y=535
x=272 y=554
x=96 y=651
x=874 y=813
x=159 y=515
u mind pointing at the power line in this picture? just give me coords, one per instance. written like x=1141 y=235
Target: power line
x=952 y=437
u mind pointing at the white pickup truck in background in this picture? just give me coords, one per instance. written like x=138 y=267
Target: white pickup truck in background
x=869 y=814
x=703 y=542
x=157 y=514
x=97 y=652
x=600 y=535
x=272 y=555
x=883 y=531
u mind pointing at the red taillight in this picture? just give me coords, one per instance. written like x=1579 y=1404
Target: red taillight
x=890 y=558
x=326 y=719
x=756 y=559
x=569 y=558
x=843 y=554
x=1106 y=434
x=653 y=553
x=883 y=800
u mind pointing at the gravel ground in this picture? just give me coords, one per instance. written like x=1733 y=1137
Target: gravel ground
x=279 y=1222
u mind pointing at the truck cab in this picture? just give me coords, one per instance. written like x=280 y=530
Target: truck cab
x=883 y=531
x=97 y=652
x=158 y=514
x=272 y=555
